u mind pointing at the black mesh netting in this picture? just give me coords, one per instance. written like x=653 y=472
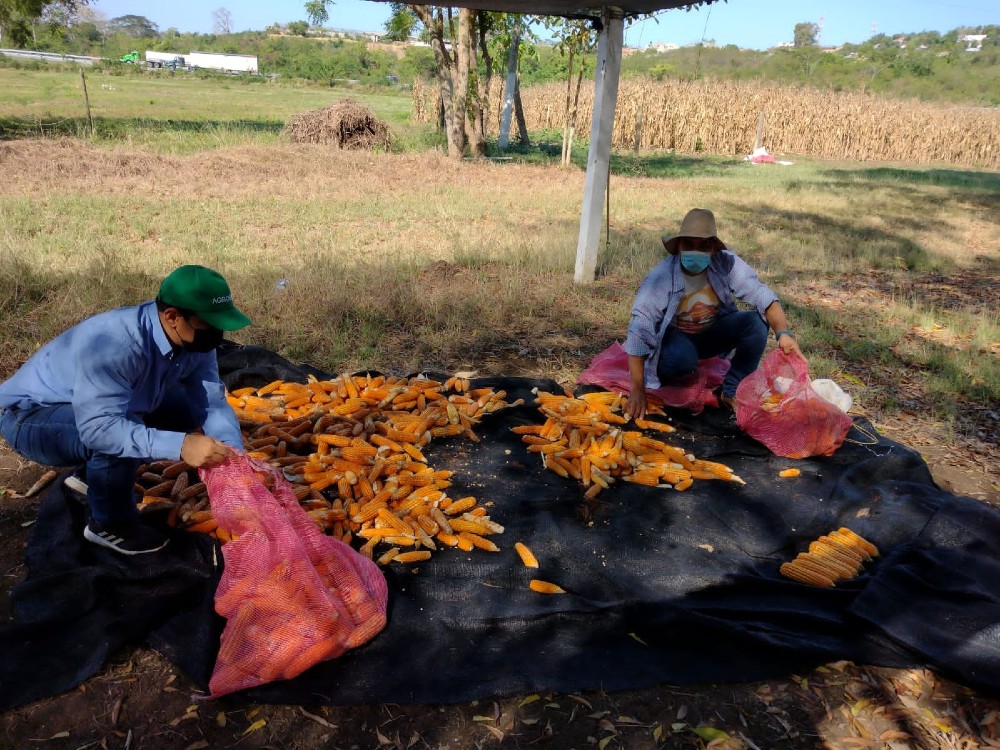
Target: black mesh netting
x=663 y=586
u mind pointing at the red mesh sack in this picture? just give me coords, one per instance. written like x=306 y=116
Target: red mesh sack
x=609 y=370
x=291 y=595
x=777 y=406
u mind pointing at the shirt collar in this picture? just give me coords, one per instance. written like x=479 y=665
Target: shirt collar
x=151 y=317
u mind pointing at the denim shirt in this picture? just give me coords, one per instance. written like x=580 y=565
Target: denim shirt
x=114 y=369
x=662 y=290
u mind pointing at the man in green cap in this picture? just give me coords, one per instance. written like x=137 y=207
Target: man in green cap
x=129 y=385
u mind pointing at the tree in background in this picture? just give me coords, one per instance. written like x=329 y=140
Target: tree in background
x=316 y=10
x=137 y=27
x=222 y=21
x=18 y=17
x=299 y=28
x=575 y=38
x=401 y=23
x=806 y=34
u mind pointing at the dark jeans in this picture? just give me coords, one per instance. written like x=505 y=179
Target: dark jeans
x=48 y=435
x=742 y=330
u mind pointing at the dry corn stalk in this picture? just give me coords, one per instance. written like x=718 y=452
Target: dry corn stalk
x=585 y=438
x=834 y=557
x=351 y=447
x=720 y=117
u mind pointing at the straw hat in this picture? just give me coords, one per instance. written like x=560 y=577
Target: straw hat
x=699 y=222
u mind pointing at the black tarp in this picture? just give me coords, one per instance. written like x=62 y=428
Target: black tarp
x=664 y=586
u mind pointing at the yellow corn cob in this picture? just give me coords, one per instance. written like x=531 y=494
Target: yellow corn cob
x=407 y=558
x=788 y=473
x=867 y=546
x=478 y=541
x=460 y=506
x=526 y=555
x=544 y=587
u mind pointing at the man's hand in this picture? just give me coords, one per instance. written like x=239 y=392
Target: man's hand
x=202 y=450
x=635 y=407
x=789 y=345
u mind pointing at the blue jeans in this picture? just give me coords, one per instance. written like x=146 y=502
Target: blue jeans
x=742 y=330
x=48 y=435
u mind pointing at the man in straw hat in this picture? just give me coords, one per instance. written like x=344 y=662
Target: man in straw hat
x=685 y=310
x=125 y=386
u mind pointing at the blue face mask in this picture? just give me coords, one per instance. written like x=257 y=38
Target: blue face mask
x=695 y=261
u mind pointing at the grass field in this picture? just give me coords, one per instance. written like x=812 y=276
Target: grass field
x=407 y=260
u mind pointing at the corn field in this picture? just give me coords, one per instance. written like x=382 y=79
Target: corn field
x=720 y=117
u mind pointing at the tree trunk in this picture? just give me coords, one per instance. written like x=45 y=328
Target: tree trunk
x=522 y=125
x=480 y=92
x=466 y=60
x=453 y=86
x=566 y=123
x=510 y=86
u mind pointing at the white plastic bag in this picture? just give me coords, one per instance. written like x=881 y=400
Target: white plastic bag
x=833 y=393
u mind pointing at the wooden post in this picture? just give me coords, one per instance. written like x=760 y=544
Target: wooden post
x=609 y=60
x=86 y=103
x=758 y=139
x=510 y=86
x=638 y=131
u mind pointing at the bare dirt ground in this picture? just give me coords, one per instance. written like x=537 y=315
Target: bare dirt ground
x=140 y=701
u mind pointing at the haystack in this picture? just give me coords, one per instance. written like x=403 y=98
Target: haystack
x=346 y=124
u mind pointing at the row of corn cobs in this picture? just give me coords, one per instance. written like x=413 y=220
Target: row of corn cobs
x=351 y=449
x=582 y=437
x=834 y=557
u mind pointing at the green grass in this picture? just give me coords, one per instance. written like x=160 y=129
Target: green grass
x=409 y=260
x=175 y=113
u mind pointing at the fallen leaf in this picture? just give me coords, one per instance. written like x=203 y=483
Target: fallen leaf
x=220 y=718
x=318 y=719
x=607 y=726
x=116 y=712
x=382 y=739
x=627 y=720
x=581 y=700
x=259 y=724
x=199 y=745
x=707 y=547
x=892 y=734
x=682 y=712
x=481 y=717
x=529 y=699
x=496 y=732
x=604 y=742
x=710 y=733
x=634 y=637
x=863 y=513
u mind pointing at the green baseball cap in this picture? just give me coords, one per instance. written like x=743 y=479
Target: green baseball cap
x=205 y=293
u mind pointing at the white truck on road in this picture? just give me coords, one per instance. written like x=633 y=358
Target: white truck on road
x=225 y=63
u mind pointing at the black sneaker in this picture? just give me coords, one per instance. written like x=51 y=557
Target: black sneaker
x=125 y=538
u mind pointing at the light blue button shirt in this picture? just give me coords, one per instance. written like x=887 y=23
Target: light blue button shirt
x=115 y=368
x=661 y=292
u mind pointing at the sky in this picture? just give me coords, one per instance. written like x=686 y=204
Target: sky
x=759 y=24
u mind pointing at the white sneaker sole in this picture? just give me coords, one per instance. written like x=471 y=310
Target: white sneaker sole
x=76 y=484
x=111 y=541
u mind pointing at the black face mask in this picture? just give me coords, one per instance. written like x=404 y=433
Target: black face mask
x=205 y=340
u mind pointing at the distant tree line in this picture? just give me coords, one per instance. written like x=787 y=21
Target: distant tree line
x=929 y=65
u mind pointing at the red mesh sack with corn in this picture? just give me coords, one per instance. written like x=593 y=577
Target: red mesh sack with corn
x=292 y=596
x=777 y=406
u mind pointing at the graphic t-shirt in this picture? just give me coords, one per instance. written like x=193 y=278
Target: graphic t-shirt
x=699 y=306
